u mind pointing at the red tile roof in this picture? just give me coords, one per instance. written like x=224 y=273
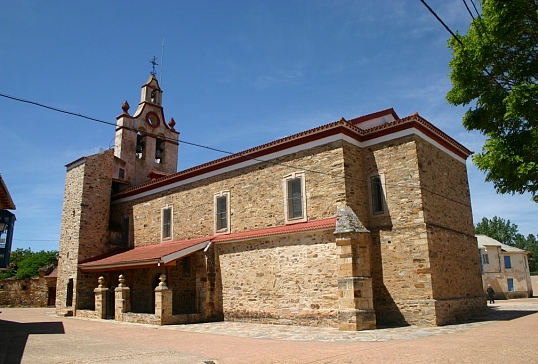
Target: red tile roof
x=150 y=254
x=277 y=230
x=167 y=252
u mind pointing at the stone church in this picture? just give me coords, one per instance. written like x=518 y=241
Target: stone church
x=354 y=224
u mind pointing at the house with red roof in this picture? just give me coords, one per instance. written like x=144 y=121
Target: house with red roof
x=353 y=224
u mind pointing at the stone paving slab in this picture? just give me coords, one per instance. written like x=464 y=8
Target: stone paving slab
x=506 y=334
x=499 y=312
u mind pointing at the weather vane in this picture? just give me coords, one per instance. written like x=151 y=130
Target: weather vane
x=154 y=63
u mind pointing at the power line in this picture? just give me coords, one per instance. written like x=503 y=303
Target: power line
x=345 y=176
x=442 y=22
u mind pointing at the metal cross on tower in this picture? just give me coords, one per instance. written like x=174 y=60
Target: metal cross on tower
x=154 y=63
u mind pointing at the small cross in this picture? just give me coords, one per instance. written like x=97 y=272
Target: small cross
x=154 y=63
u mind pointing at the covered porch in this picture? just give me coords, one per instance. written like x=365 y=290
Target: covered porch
x=160 y=284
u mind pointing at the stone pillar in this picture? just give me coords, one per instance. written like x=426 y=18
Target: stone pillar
x=355 y=295
x=100 y=298
x=209 y=308
x=122 y=299
x=163 y=301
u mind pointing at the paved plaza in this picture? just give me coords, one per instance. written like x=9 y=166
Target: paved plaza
x=507 y=334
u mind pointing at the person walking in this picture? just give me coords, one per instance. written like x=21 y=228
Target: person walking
x=491 y=294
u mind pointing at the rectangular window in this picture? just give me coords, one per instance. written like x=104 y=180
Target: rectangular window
x=510 y=282
x=222 y=212
x=485 y=259
x=166 y=223
x=295 y=201
x=507 y=262
x=377 y=195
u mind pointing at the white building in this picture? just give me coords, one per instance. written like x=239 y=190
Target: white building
x=505 y=267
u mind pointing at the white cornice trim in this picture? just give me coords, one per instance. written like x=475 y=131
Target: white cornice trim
x=295 y=149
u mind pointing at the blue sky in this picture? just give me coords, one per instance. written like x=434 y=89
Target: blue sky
x=235 y=74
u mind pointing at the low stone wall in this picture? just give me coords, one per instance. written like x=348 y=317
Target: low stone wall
x=28 y=292
x=148 y=318
x=87 y=314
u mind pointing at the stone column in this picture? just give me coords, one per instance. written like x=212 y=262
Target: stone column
x=100 y=298
x=163 y=301
x=355 y=295
x=122 y=299
x=209 y=308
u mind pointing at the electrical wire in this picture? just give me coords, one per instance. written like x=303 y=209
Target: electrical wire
x=345 y=176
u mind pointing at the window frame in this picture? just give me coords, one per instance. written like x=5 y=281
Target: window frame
x=216 y=211
x=382 y=194
x=507 y=259
x=485 y=258
x=510 y=284
x=170 y=223
x=285 y=183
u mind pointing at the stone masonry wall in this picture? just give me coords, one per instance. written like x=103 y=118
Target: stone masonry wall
x=84 y=230
x=28 y=292
x=256 y=197
x=455 y=264
x=283 y=280
x=399 y=252
x=69 y=233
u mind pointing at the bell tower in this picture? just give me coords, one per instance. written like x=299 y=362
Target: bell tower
x=145 y=145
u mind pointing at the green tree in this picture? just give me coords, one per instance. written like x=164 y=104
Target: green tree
x=498 y=229
x=507 y=233
x=495 y=68
x=24 y=263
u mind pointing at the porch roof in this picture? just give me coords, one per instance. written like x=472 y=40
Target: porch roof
x=167 y=252
x=147 y=255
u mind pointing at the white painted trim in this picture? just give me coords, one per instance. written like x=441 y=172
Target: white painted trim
x=292 y=150
x=285 y=180
x=227 y=230
x=171 y=207
x=184 y=252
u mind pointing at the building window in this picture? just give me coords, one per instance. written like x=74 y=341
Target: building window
x=166 y=222
x=222 y=212
x=507 y=262
x=510 y=282
x=485 y=259
x=295 y=199
x=122 y=173
x=377 y=194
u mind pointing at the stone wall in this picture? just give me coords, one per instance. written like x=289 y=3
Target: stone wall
x=284 y=280
x=28 y=292
x=256 y=197
x=453 y=250
x=84 y=228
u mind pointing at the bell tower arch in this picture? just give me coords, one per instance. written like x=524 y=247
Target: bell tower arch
x=145 y=144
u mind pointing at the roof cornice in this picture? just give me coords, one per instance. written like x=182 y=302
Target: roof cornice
x=342 y=129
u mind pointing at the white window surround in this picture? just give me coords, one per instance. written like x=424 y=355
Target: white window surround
x=300 y=210
x=167 y=222
x=378 y=208
x=220 y=220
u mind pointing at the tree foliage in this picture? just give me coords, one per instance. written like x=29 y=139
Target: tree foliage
x=496 y=67
x=507 y=233
x=24 y=263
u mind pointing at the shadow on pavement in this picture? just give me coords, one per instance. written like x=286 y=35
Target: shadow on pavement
x=498 y=314
x=14 y=335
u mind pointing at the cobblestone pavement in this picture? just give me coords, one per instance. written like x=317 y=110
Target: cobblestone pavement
x=506 y=334
x=498 y=312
